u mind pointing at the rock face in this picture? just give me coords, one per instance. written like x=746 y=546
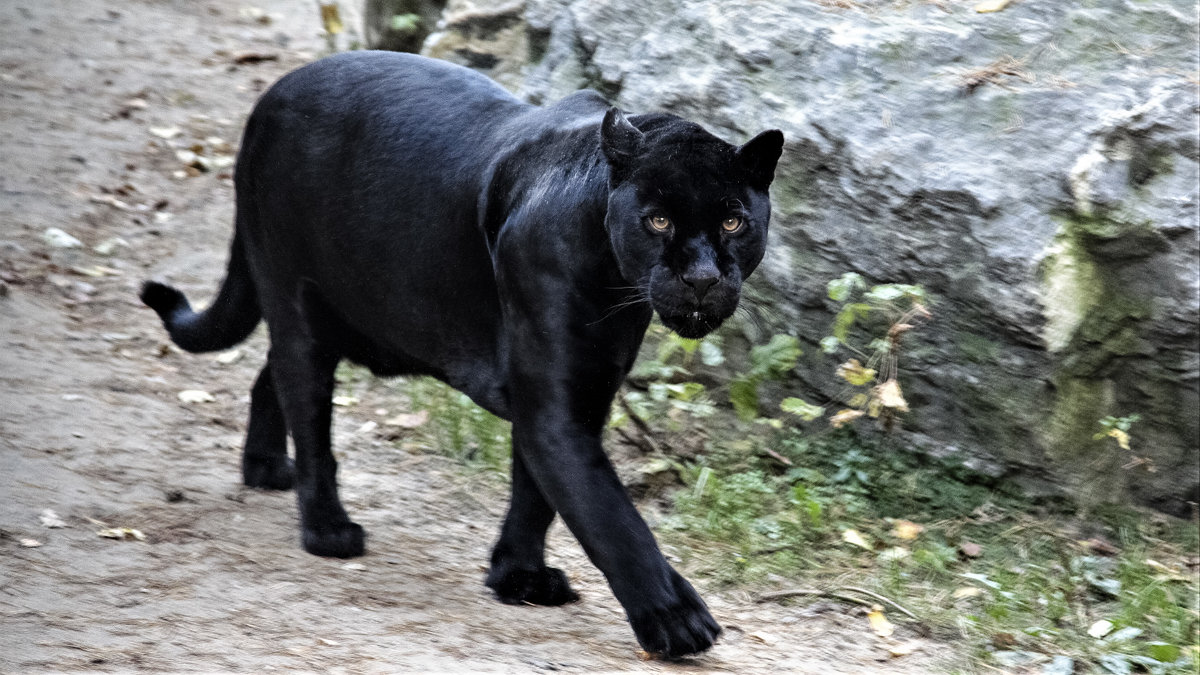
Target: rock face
x=1034 y=169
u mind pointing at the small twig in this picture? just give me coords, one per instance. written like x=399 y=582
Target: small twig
x=837 y=593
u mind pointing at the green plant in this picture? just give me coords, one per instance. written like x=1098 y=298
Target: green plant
x=771 y=361
x=884 y=313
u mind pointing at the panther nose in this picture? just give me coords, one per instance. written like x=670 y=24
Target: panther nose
x=701 y=281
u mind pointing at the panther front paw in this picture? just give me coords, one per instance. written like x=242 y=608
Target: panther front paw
x=678 y=627
x=335 y=540
x=268 y=473
x=545 y=586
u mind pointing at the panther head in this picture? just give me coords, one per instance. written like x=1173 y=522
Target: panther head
x=687 y=214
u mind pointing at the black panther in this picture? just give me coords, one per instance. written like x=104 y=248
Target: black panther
x=412 y=216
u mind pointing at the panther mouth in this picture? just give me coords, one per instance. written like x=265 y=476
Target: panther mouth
x=692 y=325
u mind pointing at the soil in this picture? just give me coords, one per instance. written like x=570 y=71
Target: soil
x=97 y=100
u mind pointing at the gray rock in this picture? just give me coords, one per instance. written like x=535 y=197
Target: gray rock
x=1034 y=169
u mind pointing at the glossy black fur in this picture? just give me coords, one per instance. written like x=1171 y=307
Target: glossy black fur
x=413 y=217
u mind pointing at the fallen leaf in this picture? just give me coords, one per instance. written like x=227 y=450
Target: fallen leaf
x=963 y=592
x=30 y=543
x=229 y=357
x=1100 y=628
x=110 y=246
x=166 y=132
x=1101 y=547
x=853 y=537
x=907 y=530
x=889 y=396
x=96 y=271
x=895 y=553
x=643 y=655
x=344 y=401
x=368 y=427
x=408 y=420
x=196 y=396
x=1004 y=640
x=122 y=533
x=844 y=417
x=355 y=567
x=970 y=549
x=60 y=239
x=879 y=622
x=988 y=6
x=763 y=637
x=51 y=520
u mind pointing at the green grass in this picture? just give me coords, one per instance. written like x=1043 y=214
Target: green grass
x=1034 y=584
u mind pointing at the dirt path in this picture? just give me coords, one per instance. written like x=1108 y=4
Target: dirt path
x=91 y=426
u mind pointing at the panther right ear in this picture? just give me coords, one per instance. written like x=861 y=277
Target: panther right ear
x=620 y=140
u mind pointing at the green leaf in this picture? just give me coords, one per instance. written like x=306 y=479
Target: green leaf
x=830 y=344
x=774 y=359
x=885 y=293
x=1163 y=652
x=801 y=408
x=840 y=289
x=685 y=391
x=846 y=318
x=743 y=394
x=406 y=23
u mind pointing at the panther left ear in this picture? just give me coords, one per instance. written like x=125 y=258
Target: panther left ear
x=759 y=156
x=620 y=140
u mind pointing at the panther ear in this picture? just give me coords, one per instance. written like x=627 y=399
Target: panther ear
x=759 y=156
x=619 y=140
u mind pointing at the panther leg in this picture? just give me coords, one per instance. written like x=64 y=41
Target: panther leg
x=518 y=574
x=302 y=373
x=265 y=463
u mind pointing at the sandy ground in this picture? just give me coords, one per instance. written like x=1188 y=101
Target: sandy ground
x=91 y=426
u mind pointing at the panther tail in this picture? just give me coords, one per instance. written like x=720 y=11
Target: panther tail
x=230 y=318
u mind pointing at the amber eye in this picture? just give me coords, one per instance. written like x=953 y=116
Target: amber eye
x=660 y=223
x=731 y=224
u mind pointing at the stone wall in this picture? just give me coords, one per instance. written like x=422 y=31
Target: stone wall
x=1035 y=169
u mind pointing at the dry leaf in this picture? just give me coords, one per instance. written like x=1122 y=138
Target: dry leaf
x=30 y=543
x=50 y=519
x=765 y=638
x=889 y=396
x=1121 y=436
x=1100 y=628
x=853 y=537
x=963 y=592
x=844 y=417
x=970 y=549
x=166 y=132
x=122 y=533
x=331 y=19
x=196 y=396
x=231 y=356
x=988 y=6
x=343 y=401
x=907 y=530
x=879 y=622
x=855 y=373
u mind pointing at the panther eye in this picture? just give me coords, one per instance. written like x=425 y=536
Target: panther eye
x=732 y=224
x=660 y=223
